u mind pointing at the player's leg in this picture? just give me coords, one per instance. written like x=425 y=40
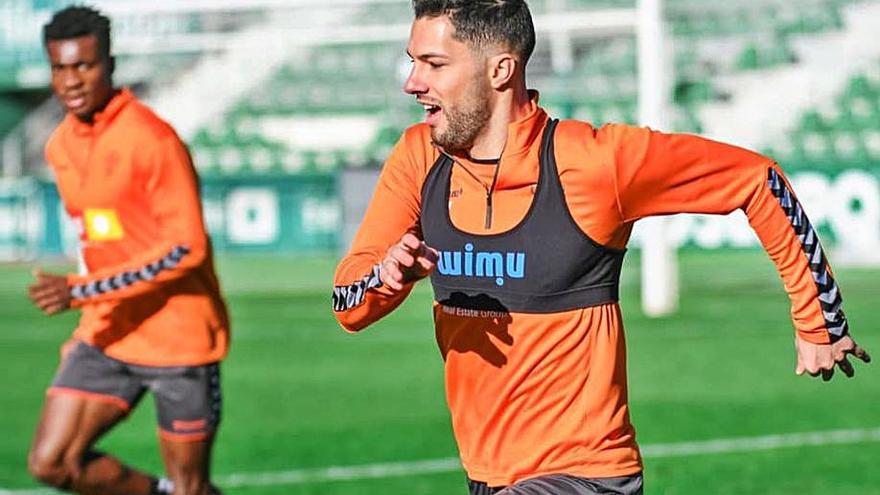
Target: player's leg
x=188 y=465
x=78 y=410
x=62 y=454
x=561 y=484
x=188 y=401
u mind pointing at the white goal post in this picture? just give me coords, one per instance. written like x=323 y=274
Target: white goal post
x=659 y=273
x=655 y=63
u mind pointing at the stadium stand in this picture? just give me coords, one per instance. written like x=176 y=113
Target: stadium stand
x=846 y=135
x=352 y=88
x=363 y=79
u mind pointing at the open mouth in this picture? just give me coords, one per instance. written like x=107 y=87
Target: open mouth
x=432 y=112
x=75 y=102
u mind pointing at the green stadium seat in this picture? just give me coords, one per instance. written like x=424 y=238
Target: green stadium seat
x=871 y=139
x=861 y=86
x=848 y=147
x=813 y=121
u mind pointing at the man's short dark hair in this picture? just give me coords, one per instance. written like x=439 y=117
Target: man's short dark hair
x=481 y=22
x=76 y=21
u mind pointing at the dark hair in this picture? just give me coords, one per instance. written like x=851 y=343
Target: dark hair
x=506 y=22
x=76 y=21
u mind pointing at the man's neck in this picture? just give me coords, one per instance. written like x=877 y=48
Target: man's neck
x=90 y=118
x=510 y=106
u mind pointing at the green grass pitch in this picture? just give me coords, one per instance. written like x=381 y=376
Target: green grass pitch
x=300 y=394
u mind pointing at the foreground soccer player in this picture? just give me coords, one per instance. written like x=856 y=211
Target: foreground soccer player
x=521 y=222
x=152 y=314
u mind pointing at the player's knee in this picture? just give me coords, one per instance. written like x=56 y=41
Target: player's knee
x=48 y=469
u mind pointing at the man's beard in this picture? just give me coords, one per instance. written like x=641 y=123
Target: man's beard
x=464 y=121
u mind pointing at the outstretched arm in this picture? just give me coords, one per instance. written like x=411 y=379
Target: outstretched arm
x=659 y=174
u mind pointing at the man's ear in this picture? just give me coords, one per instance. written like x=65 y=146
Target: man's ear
x=502 y=68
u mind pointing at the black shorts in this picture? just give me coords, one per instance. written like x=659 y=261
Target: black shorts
x=187 y=398
x=563 y=484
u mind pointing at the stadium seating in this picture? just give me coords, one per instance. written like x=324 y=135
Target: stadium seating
x=711 y=40
x=846 y=135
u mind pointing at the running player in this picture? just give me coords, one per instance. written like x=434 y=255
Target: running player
x=521 y=222
x=152 y=314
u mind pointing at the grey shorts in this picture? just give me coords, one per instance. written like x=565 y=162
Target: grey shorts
x=187 y=398
x=563 y=484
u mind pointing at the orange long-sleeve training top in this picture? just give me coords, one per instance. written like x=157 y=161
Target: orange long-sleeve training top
x=537 y=393
x=148 y=291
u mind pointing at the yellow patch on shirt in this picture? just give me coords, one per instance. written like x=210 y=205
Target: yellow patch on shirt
x=102 y=225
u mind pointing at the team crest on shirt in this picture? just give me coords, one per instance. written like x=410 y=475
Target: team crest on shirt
x=101 y=224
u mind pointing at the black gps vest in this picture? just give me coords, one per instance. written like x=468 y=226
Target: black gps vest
x=545 y=264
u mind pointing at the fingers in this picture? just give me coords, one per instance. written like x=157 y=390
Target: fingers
x=410 y=242
x=427 y=258
x=41 y=290
x=843 y=363
x=402 y=255
x=824 y=369
x=846 y=367
x=51 y=305
x=821 y=359
x=412 y=251
x=51 y=308
x=825 y=373
x=50 y=298
x=408 y=260
x=54 y=309
x=861 y=353
x=391 y=274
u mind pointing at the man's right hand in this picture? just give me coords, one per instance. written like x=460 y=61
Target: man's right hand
x=820 y=359
x=407 y=261
x=49 y=292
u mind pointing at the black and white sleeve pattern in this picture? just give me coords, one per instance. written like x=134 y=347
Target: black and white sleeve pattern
x=130 y=277
x=346 y=297
x=829 y=293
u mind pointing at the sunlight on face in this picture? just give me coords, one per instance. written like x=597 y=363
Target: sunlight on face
x=449 y=79
x=81 y=78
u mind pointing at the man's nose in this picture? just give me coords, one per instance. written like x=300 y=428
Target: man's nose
x=70 y=78
x=414 y=84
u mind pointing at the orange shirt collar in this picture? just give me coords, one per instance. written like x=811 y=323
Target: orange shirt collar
x=103 y=118
x=522 y=133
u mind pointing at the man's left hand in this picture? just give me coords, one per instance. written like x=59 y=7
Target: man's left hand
x=820 y=359
x=50 y=292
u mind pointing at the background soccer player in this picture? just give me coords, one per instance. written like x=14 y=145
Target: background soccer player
x=521 y=222
x=152 y=314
